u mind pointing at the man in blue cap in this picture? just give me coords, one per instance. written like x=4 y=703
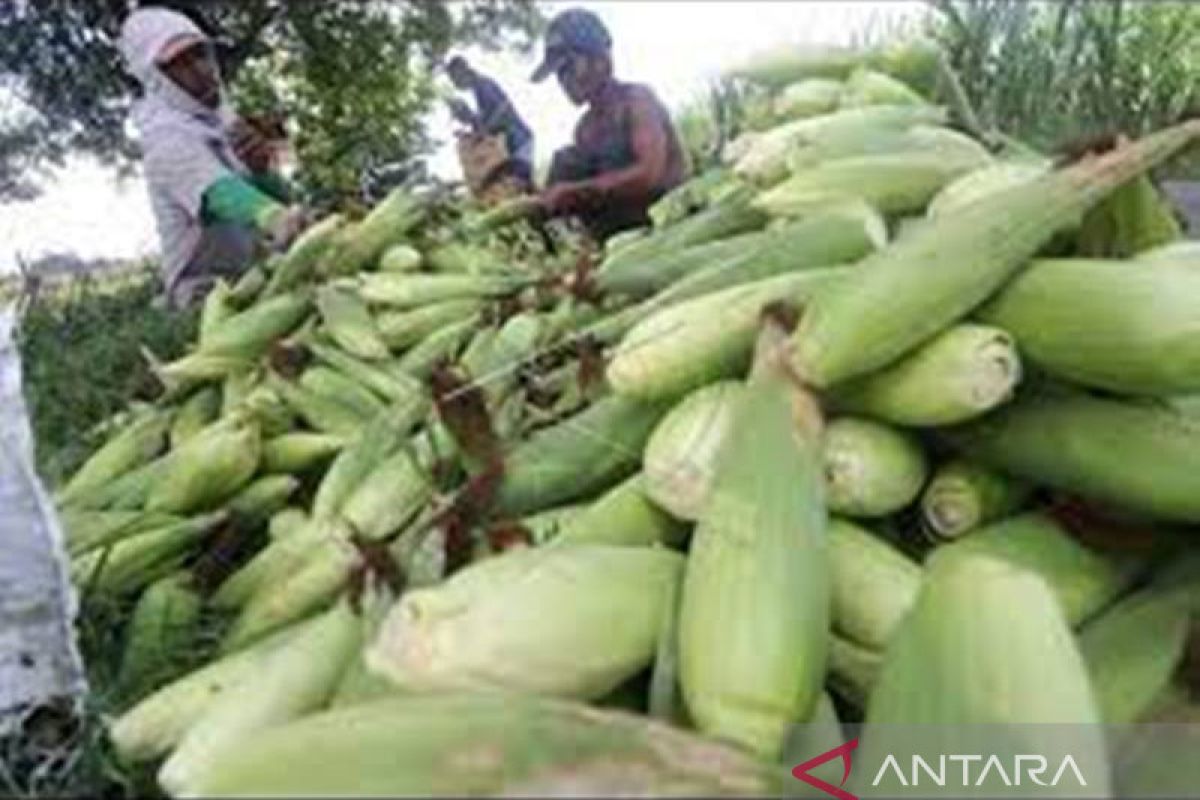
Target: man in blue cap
x=626 y=153
x=494 y=114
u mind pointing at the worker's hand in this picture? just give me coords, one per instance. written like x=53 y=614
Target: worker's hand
x=562 y=198
x=286 y=225
x=251 y=146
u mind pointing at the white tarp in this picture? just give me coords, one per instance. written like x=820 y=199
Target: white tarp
x=39 y=660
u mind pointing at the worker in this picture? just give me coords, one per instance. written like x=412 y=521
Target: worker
x=494 y=114
x=208 y=171
x=626 y=153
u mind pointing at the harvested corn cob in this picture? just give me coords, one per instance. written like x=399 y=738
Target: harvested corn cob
x=962 y=495
x=871 y=470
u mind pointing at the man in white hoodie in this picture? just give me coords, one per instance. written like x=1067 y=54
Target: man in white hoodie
x=208 y=172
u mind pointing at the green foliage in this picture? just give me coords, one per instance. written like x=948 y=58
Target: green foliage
x=1051 y=73
x=82 y=361
x=352 y=78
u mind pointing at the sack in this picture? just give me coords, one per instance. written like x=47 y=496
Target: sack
x=481 y=156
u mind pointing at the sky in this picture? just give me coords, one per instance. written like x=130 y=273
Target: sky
x=673 y=46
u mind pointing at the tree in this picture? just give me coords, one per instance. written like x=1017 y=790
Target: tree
x=353 y=78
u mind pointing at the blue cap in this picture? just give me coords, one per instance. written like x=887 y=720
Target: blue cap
x=573 y=31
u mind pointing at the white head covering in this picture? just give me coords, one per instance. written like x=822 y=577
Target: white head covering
x=144 y=36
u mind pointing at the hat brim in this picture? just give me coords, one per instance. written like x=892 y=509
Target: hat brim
x=176 y=45
x=550 y=64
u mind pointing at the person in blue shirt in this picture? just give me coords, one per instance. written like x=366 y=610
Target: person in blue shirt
x=493 y=114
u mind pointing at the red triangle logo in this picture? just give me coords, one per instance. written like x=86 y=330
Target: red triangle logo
x=841 y=751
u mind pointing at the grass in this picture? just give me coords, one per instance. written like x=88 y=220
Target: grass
x=80 y=343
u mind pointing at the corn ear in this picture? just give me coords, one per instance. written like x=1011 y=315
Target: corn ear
x=390 y=495
x=961 y=373
x=255 y=504
x=400 y=258
x=413 y=745
x=270 y=566
x=962 y=496
x=413 y=290
x=285 y=522
x=323 y=413
x=473 y=631
x=369 y=447
x=853 y=670
x=349 y=323
x=708 y=338
x=133 y=447
x=871 y=470
x=874 y=585
x=390 y=384
x=1083 y=581
x=1127 y=328
x=439 y=346
x=1143 y=457
x=294 y=453
x=134 y=562
x=401 y=330
x=87 y=529
x=578 y=456
x=1136 y=217
x=944 y=269
x=296 y=678
x=198 y=411
x=755 y=609
x=248 y=334
x=206 y=470
x=152 y=727
x=218 y=306
x=624 y=515
x=304 y=255
x=358 y=245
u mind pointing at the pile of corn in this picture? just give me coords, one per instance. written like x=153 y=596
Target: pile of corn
x=475 y=522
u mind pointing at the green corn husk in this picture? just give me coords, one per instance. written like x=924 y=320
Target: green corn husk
x=401 y=330
x=264 y=406
x=853 y=670
x=271 y=565
x=401 y=258
x=369 y=447
x=340 y=388
x=321 y=412
x=874 y=585
x=576 y=457
x=254 y=505
x=1188 y=251
x=755 y=613
x=985 y=646
x=248 y=334
x=1132 y=650
x=941 y=271
x=867 y=87
x=696 y=342
x=198 y=411
x=493 y=366
x=196 y=368
x=441 y=345
x=871 y=470
x=833 y=235
x=623 y=515
x=358 y=245
x=358 y=684
x=294 y=453
x=390 y=384
x=1082 y=580
x=962 y=496
x=694 y=194
x=304 y=255
x=209 y=468
x=285 y=522
x=134 y=562
x=248 y=286
x=894 y=183
x=1126 y=327
x=237 y=386
x=504 y=213
x=414 y=745
x=466 y=259
x=474 y=631
x=731 y=216
x=218 y=306
x=409 y=290
x=807 y=98
x=296 y=678
x=1134 y=218
x=664 y=699
x=134 y=446
x=921 y=141
x=765 y=160
x=161 y=632
x=545 y=526
x=315 y=583
x=127 y=493
x=152 y=727
x=350 y=324
x=87 y=529
x=1143 y=457
x=680 y=455
x=961 y=373
x=388 y=497
x=984 y=182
